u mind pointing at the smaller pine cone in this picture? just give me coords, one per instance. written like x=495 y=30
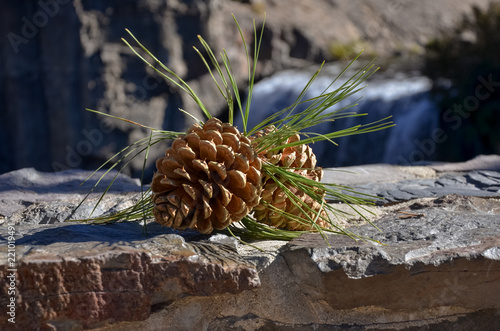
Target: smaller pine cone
x=273 y=195
x=300 y=156
x=300 y=159
x=209 y=178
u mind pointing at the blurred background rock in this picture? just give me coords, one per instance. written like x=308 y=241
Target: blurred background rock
x=59 y=57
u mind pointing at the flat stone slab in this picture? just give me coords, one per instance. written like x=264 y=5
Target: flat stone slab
x=433 y=260
x=433 y=263
x=88 y=274
x=474 y=183
x=31 y=196
x=385 y=173
x=481 y=162
x=419 y=254
x=376 y=173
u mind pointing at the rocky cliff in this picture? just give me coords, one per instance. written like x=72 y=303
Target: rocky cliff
x=59 y=57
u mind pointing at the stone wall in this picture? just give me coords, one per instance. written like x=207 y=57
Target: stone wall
x=432 y=261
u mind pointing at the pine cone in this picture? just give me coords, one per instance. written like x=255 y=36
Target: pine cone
x=303 y=161
x=207 y=179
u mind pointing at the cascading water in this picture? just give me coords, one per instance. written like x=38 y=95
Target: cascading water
x=406 y=98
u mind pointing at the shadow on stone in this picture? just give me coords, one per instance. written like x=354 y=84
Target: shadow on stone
x=105 y=233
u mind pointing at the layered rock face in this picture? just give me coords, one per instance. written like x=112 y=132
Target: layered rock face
x=62 y=56
x=431 y=262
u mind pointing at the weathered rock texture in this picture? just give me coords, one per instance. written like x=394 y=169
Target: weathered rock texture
x=81 y=282
x=62 y=56
x=433 y=263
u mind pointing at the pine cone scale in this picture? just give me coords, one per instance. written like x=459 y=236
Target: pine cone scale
x=173 y=199
x=236 y=179
x=207 y=188
x=225 y=155
x=217 y=171
x=225 y=195
x=214 y=136
x=254 y=176
x=231 y=140
x=236 y=206
x=193 y=192
x=208 y=150
x=182 y=173
x=187 y=155
x=201 y=165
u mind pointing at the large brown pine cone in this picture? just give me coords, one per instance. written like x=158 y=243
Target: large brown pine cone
x=300 y=159
x=207 y=179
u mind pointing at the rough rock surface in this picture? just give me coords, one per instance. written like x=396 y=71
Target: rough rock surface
x=433 y=263
x=36 y=197
x=80 y=275
x=66 y=277
x=60 y=57
x=476 y=177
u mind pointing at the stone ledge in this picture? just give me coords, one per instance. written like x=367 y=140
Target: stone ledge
x=435 y=263
x=64 y=277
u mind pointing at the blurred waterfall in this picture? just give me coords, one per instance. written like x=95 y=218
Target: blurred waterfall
x=404 y=97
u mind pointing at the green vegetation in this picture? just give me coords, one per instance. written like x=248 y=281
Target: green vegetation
x=350 y=50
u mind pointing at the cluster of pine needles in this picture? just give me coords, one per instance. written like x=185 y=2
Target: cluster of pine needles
x=288 y=122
